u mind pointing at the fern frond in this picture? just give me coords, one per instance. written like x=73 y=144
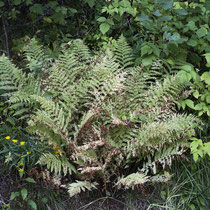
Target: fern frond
x=35 y=56
x=132 y=180
x=11 y=78
x=57 y=165
x=123 y=53
x=81 y=50
x=79 y=186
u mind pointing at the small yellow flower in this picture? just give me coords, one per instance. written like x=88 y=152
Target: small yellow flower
x=22 y=143
x=28 y=153
x=15 y=141
x=7 y=137
x=57 y=151
x=20 y=163
x=39 y=52
x=20 y=170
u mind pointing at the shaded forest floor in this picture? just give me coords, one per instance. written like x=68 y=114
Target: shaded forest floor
x=141 y=198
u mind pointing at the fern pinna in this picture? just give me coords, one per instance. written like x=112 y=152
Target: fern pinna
x=105 y=116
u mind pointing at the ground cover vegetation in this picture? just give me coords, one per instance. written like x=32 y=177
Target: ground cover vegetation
x=109 y=95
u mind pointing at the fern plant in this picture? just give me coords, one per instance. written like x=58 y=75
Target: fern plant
x=108 y=118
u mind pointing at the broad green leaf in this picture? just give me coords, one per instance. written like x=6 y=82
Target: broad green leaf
x=1 y=4
x=187 y=68
x=24 y=193
x=44 y=200
x=47 y=19
x=91 y=3
x=37 y=9
x=196 y=94
x=207 y=147
x=181 y=11
x=143 y=17
x=198 y=107
x=157 y=13
x=208 y=99
x=146 y=49
x=148 y=60
x=101 y=19
x=110 y=22
x=195 y=158
x=207 y=56
x=166 y=4
x=28 y=2
x=183 y=76
x=104 y=27
x=192 y=42
x=208 y=36
x=72 y=10
x=201 y=32
x=156 y=51
x=16 y=2
x=165 y=18
x=30 y=180
x=189 y=103
x=206 y=77
x=32 y=204
x=192 y=25
x=142 y=117
x=14 y=195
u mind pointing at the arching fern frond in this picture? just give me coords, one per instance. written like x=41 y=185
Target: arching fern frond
x=123 y=53
x=132 y=180
x=79 y=186
x=57 y=165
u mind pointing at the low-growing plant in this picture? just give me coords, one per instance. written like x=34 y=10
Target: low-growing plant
x=109 y=122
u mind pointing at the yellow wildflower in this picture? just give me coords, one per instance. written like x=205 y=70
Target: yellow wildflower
x=15 y=141
x=20 y=163
x=20 y=170
x=28 y=153
x=22 y=143
x=57 y=151
x=7 y=137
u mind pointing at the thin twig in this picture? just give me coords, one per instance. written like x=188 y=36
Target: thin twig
x=6 y=35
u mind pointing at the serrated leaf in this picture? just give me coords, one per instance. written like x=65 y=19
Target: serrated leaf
x=104 y=27
x=24 y=193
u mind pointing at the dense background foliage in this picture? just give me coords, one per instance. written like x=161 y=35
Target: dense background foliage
x=166 y=36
